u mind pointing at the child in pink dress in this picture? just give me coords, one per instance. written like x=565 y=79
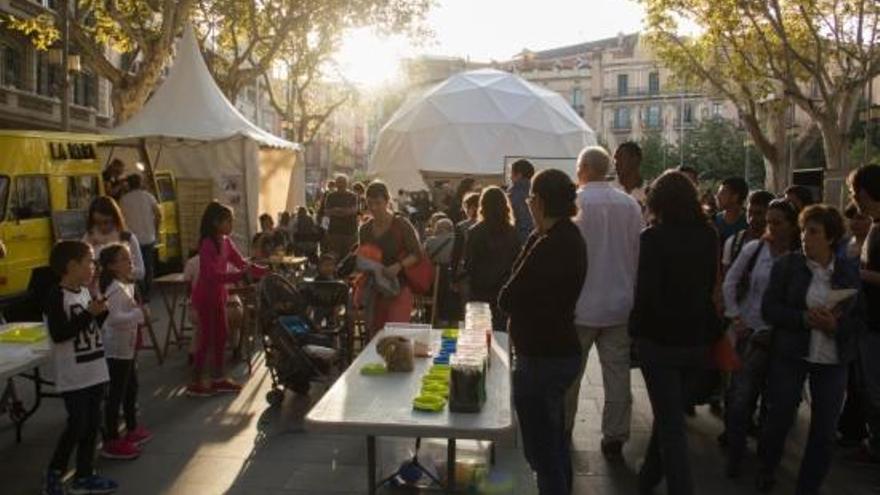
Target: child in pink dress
x=216 y=253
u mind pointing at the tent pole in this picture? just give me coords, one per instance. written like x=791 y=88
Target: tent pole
x=246 y=197
x=144 y=155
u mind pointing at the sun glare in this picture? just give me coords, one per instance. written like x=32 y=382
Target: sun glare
x=370 y=60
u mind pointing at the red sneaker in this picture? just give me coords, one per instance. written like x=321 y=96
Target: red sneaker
x=199 y=390
x=120 y=449
x=139 y=436
x=225 y=386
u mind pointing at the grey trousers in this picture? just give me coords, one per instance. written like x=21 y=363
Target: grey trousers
x=613 y=344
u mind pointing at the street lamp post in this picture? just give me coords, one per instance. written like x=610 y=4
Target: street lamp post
x=69 y=63
x=65 y=59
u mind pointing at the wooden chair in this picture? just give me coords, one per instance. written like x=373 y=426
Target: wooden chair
x=246 y=345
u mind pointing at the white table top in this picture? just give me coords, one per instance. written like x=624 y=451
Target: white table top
x=381 y=405
x=18 y=358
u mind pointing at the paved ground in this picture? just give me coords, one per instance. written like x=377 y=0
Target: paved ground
x=239 y=445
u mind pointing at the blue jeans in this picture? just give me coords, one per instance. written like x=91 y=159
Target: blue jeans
x=785 y=383
x=746 y=385
x=672 y=375
x=539 y=386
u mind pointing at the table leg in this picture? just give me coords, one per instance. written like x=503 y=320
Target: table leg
x=148 y=324
x=450 y=465
x=38 y=396
x=371 y=464
x=181 y=329
x=171 y=306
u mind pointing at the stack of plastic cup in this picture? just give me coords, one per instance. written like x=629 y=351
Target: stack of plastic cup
x=478 y=326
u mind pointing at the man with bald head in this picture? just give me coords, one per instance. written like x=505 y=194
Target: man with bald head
x=610 y=221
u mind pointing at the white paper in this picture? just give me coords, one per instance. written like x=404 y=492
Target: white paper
x=837 y=296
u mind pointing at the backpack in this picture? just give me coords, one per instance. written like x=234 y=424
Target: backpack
x=745 y=279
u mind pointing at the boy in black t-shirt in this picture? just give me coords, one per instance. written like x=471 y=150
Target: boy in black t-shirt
x=77 y=352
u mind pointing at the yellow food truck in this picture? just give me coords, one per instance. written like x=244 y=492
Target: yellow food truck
x=47 y=181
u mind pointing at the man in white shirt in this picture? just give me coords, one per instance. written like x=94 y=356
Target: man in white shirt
x=610 y=221
x=143 y=216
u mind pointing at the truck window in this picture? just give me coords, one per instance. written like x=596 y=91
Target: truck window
x=166 y=188
x=81 y=190
x=30 y=197
x=4 y=192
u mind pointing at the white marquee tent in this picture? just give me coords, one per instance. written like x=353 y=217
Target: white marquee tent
x=474 y=123
x=192 y=129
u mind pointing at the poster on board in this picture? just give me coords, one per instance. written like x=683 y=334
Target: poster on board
x=232 y=189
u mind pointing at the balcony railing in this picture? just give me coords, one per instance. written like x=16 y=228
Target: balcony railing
x=17 y=104
x=644 y=92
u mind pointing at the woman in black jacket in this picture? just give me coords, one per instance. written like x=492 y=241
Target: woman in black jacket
x=491 y=248
x=673 y=321
x=540 y=298
x=813 y=336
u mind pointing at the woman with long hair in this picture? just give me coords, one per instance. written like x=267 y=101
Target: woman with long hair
x=105 y=225
x=399 y=245
x=490 y=249
x=744 y=286
x=540 y=298
x=673 y=321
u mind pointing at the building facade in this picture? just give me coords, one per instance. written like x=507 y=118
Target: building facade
x=620 y=88
x=31 y=82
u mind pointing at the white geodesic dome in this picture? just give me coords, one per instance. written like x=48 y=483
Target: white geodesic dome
x=470 y=124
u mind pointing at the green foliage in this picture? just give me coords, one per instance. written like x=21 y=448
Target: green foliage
x=657 y=155
x=765 y=54
x=865 y=147
x=716 y=148
x=250 y=37
x=40 y=29
x=313 y=89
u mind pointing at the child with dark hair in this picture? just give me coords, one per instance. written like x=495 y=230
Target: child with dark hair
x=209 y=297
x=77 y=352
x=120 y=339
x=327 y=267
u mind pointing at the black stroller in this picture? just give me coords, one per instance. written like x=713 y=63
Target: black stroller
x=295 y=354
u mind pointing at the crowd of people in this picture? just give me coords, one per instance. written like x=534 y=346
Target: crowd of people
x=749 y=304
x=654 y=276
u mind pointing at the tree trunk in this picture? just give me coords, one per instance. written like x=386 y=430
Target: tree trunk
x=129 y=96
x=776 y=157
x=775 y=175
x=836 y=152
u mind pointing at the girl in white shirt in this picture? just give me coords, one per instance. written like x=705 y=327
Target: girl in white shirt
x=120 y=331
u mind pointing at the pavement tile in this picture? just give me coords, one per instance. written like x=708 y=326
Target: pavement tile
x=238 y=445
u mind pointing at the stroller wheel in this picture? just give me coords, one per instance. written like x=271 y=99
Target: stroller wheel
x=301 y=387
x=274 y=396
